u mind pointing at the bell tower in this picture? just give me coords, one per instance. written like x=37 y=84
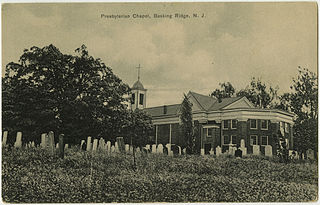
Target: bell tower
x=138 y=96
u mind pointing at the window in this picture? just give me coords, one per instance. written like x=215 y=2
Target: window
x=141 y=99
x=225 y=124
x=253 y=124
x=233 y=139
x=133 y=98
x=264 y=140
x=210 y=132
x=233 y=124
x=253 y=140
x=264 y=124
x=286 y=128
x=226 y=139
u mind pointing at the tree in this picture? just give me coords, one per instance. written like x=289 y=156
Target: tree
x=303 y=101
x=226 y=90
x=187 y=125
x=138 y=127
x=77 y=95
x=259 y=93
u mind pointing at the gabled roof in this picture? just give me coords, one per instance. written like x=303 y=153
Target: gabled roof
x=204 y=101
x=224 y=102
x=159 y=110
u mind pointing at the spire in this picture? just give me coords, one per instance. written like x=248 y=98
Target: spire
x=139 y=71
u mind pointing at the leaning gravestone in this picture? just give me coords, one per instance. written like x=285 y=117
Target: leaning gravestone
x=18 y=142
x=160 y=149
x=256 y=150
x=5 y=137
x=81 y=144
x=268 y=151
x=218 y=151
x=89 y=144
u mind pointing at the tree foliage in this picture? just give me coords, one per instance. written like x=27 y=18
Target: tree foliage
x=138 y=127
x=187 y=124
x=303 y=101
x=226 y=90
x=77 y=95
x=259 y=93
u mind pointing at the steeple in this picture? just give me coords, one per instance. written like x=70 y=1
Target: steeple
x=138 y=99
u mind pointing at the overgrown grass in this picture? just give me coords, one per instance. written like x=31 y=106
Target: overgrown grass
x=34 y=176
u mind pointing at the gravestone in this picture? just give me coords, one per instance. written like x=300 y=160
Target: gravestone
x=89 y=143
x=154 y=148
x=108 y=146
x=238 y=153
x=218 y=151
x=57 y=145
x=51 y=141
x=81 y=144
x=168 y=146
x=131 y=149
x=5 y=138
x=120 y=142
x=268 y=151
x=310 y=154
x=211 y=152
x=101 y=144
x=112 y=149
x=244 y=151
x=32 y=144
x=179 y=150
x=95 y=145
x=66 y=146
x=148 y=147
x=116 y=147
x=256 y=150
x=43 y=140
x=242 y=143
x=160 y=149
x=138 y=150
x=127 y=147
x=232 y=150
x=18 y=142
x=184 y=151
x=202 y=152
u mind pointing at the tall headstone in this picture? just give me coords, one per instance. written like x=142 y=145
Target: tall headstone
x=256 y=150
x=43 y=143
x=116 y=147
x=160 y=149
x=127 y=147
x=81 y=144
x=61 y=146
x=131 y=149
x=51 y=141
x=4 y=138
x=179 y=150
x=244 y=150
x=57 y=145
x=218 y=151
x=120 y=142
x=95 y=145
x=154 y=148
x=32 y=144
x=89 y=144
x=108 y=146
x=268 y=151
x=242 y=143
x=170 y=153
x=18 y=142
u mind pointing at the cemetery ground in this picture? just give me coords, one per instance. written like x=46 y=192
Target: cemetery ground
x=35 y=175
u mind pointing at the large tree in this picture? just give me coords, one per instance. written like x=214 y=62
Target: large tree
x=259 y=93
x=77 y=95
x=187 y=128
x=303 y=101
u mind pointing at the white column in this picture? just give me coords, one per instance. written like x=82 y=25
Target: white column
x=156 y=134
x=170 y=135
x=5 y=137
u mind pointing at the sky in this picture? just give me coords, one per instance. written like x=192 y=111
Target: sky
x=233 y=42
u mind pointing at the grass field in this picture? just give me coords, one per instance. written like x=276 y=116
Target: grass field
x=34 y=176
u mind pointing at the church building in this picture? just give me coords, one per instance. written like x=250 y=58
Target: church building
x=223 y=123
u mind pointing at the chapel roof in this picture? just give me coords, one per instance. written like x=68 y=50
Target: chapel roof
x=137 y=86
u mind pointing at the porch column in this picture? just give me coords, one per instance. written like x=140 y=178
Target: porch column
x=201 y=141
x=156 y=134
x=170 y=135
